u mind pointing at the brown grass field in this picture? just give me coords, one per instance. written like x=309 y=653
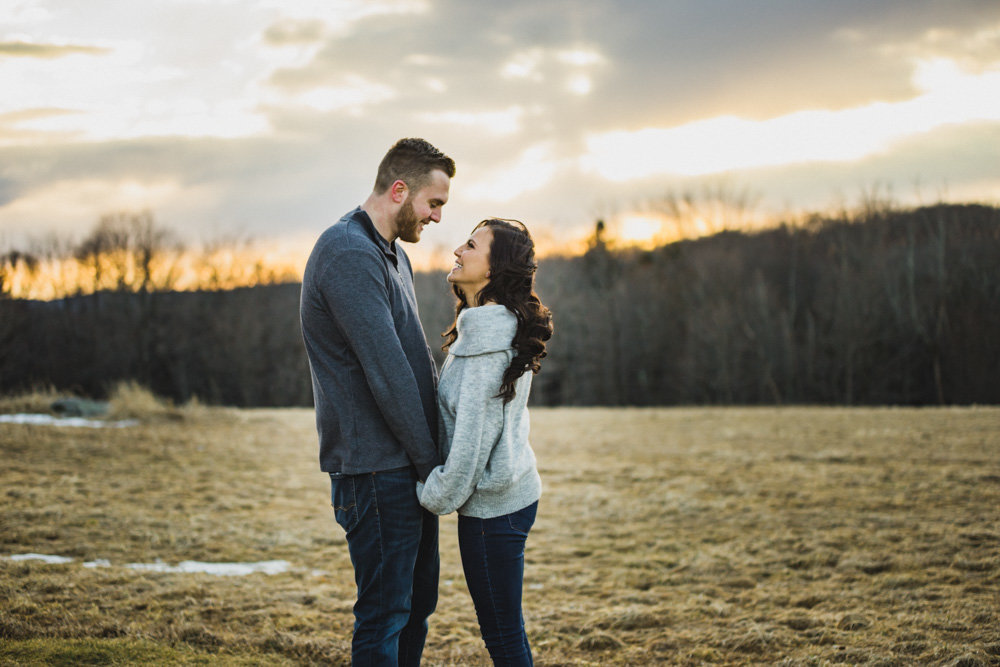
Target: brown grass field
x=683 y=536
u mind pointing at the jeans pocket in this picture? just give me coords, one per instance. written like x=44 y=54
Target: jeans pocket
x=344 y=501
x=522 y=520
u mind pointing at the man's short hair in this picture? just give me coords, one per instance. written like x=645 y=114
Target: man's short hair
x=411 y=161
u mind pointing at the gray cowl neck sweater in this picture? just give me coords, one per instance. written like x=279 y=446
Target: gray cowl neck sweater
x=489 y=467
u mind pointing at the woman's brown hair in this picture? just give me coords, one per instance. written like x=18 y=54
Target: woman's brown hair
x=512 y=284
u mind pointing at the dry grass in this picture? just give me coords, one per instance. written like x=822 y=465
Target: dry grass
x=130 y=400
x=127 y=400
x=38 y=401
x=793 y=536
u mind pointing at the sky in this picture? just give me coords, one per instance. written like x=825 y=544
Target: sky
x=266 y=119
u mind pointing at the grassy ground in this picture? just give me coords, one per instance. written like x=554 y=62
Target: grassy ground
x=795 y=536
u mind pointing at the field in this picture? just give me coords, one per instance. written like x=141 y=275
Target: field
x=796 y=536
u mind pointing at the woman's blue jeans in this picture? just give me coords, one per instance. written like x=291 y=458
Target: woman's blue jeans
x=394 y=548
x=493 y=559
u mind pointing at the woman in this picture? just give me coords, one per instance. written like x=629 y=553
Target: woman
x=489 y=474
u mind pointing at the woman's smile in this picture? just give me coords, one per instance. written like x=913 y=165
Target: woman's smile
x=471 y=271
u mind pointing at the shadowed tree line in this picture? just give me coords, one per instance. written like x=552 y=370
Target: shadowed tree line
x=235 y=347
x=121 y=317
x=881 y=306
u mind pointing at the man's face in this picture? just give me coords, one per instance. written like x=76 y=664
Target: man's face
x=408 y=226
x=423 y=207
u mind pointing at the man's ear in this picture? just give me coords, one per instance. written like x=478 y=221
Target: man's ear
x=399 y=191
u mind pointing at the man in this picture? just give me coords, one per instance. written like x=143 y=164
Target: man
x=374 y=384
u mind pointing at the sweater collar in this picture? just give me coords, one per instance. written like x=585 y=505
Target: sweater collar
x=362 y=217
x=484 y=329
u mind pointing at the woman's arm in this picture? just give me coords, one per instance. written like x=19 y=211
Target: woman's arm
x=478 y=425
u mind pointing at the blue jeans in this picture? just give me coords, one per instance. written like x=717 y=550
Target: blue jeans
x=393 y=543
x=493 y=559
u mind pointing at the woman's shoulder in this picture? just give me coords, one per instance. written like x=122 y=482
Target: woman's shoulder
x=483 y=330
x=487 y=315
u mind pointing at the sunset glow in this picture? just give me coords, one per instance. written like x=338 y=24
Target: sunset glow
x=225 y=267
x=267 y=119
x=728 y=143
x=640 y=229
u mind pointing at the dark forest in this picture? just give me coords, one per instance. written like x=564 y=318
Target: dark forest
x=887 y=306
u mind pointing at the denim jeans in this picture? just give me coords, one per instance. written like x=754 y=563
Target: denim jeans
x=493 y=559
x=393 y=543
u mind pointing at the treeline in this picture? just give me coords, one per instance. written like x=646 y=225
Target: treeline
x=879 y=307
x=236 y=347
x=129 y=251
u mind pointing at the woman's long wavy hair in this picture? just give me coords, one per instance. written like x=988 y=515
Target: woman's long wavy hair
x=512 y=284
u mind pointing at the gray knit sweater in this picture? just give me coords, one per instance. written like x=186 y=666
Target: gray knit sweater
x=489 y=467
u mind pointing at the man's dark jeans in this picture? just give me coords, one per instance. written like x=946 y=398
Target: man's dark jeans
x=493 y=559
x=394 y=548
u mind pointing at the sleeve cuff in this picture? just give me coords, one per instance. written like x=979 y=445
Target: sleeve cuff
x=424 y=469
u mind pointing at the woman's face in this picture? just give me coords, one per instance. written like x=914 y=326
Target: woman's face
x=471 y=272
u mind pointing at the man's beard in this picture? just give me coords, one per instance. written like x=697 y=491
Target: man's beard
x=407 y=224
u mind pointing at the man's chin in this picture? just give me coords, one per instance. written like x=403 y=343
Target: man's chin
x=413 y=235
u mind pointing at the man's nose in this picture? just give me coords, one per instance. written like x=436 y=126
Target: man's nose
x=436 y=215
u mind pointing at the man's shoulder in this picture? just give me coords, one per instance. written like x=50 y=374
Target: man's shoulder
x=347 y=236
x=343 y=253
x=349 y=229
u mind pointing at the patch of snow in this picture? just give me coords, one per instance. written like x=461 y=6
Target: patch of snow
x=51 y=560
x=49 y=420
x=220 y=569
x=185 y=567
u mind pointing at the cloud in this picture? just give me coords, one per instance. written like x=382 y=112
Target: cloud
x=730 y=143
x=15 y=126
x=531 y=171
x=350 y=93
x=978 y=48
x=62 y=203
x=503 y=122
x=6 y=192
x=757 y=60
x=291 y=31
x=47 y=51
x=580 y=57
x=270 y=117
x=342 y=13
x=524 y=65
x=937 y=165
x=477 y=53
x=187 y=117
x=572 y=66
x=18 y=12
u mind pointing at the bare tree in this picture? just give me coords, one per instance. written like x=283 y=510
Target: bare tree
x=709 y=209
x=12 y=263
x=124 y=253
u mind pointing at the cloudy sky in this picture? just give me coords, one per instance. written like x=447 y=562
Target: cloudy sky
x=267 y=118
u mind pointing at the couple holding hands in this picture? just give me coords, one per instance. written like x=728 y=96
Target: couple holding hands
x=402 y=445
